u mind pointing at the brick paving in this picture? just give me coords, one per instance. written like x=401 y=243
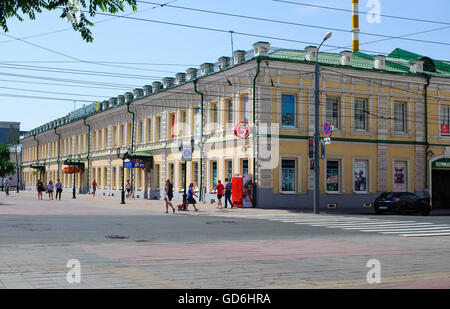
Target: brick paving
x=319 y=262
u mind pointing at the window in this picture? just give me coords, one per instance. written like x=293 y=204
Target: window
x=105 y=138
x=360 y=115
x=214 y=174
x=141 y=132
x=246 y=108
x=288 y=176
x=158 y=128
x=229 y=169
x=399 y=117
x=230 y=112
x=445 y=120
x=172 y=126
x=360 y=174
x=214 y=117
x=197 y=121
x=122 y=135
x=183 y=127
x=99 y=146
x=195 y=176
x=149 y=130
x=245 y=167
x=332 y=112
x=129 y=128
x=182 y=178
x=400 y=176
x=172 y=173
x=333 y=176
x=114 y=136
x=114 y=178
x=288 y=110
x=157 y=177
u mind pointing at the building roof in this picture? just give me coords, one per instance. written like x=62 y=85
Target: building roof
x=397 y=62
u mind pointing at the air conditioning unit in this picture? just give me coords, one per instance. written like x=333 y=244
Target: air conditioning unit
x=332 y=205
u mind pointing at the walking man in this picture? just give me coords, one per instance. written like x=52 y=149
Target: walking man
x=58 y=187
x=219 y=189
x=228 y=186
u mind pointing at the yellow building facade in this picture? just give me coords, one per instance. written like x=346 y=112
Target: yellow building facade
x=390 y=117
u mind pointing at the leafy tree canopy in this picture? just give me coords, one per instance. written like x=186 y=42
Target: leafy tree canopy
x=6 y=166
x=32 y=8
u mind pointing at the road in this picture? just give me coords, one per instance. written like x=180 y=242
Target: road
x=139 y=246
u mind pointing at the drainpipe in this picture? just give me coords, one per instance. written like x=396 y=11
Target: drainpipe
x=88 y=155
x=258 y=61
x=132 y=146
x=201 y=139
x=427 y=180
x=59 y=153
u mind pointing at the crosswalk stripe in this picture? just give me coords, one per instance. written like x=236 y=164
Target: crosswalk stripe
x=426 y=235
x=411 y=231
x=365 y=224
x=388 y=226
x=405 y=227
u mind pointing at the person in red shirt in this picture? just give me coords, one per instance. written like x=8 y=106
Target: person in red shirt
x=94 y=188
x=220 y=189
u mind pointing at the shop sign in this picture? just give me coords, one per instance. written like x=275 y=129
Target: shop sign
x=443 y=163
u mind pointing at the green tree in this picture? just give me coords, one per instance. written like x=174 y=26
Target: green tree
x=6 y=166
x=81 y=24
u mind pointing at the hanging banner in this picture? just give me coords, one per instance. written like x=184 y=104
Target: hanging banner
x=242 y=130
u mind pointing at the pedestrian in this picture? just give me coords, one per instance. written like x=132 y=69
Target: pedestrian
x=94 y=188
x=128 y=189
x=247 y=200
x=168 y=196
x=426 y=193
x=50 y=189
x=59 y=189
x=190 y=197
x=228 y=186
x=219 y=190
x=40 y=188
x=6 y=183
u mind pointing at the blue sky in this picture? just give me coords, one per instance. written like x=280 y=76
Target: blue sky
x=129 y=41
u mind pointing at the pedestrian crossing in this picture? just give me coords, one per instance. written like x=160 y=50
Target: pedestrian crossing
x=405 y=228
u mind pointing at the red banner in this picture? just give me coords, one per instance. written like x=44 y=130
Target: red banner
x=70 y=170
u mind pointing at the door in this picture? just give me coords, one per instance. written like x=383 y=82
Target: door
x=440 y=189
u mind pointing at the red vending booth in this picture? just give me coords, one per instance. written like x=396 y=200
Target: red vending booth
x=242 y=191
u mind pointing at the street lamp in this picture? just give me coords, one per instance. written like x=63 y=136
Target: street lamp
x=317 y=130
x=124 y=157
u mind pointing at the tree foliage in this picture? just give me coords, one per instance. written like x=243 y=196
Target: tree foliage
x=6 y=166
x=32 y=8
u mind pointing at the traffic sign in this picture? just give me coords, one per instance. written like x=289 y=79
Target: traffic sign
x=327 y=140
x=327 y=129
x=187 y=155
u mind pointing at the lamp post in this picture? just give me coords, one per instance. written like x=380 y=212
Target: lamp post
x=317 y=130
x=124 y=157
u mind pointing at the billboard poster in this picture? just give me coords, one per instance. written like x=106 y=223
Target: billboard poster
x=360 y=173
x=400 y=176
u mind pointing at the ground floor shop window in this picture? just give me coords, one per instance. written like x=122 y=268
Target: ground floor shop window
x=333 y=176
x=400 y=174
x=182 y=178
x=172 y=173
x=214 y=174
x=228 y=169
x=360 y=174
x=244 y=167
x=288 y=175
x=157 y=177
x=195 y=176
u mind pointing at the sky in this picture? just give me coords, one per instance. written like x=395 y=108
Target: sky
x=41 y=64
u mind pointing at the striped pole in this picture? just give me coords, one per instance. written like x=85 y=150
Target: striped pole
x=355 y=25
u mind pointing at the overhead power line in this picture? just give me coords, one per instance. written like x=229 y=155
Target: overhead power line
x=297 y=24
x=365 y=13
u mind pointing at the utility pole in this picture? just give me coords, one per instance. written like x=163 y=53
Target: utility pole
x=317 y=129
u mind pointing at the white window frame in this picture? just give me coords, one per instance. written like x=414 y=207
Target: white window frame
x=298 y=175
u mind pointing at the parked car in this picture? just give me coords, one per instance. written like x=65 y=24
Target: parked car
x=401 y=202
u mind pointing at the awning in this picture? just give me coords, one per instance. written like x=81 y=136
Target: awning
x=142 y=155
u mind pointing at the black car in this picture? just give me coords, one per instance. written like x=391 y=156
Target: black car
x=401 y=202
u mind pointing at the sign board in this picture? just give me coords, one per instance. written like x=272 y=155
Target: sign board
x=442 y=164
x=136 y=164
x=187 y=154
x=70 y=170
x=327 y=129
x=242 y=130
x=327 y=140
x=445 y=129
x=36 y=173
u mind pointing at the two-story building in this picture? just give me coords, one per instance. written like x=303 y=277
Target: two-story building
x=390 y=116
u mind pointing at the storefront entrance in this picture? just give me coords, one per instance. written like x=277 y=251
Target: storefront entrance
x=441 y=183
